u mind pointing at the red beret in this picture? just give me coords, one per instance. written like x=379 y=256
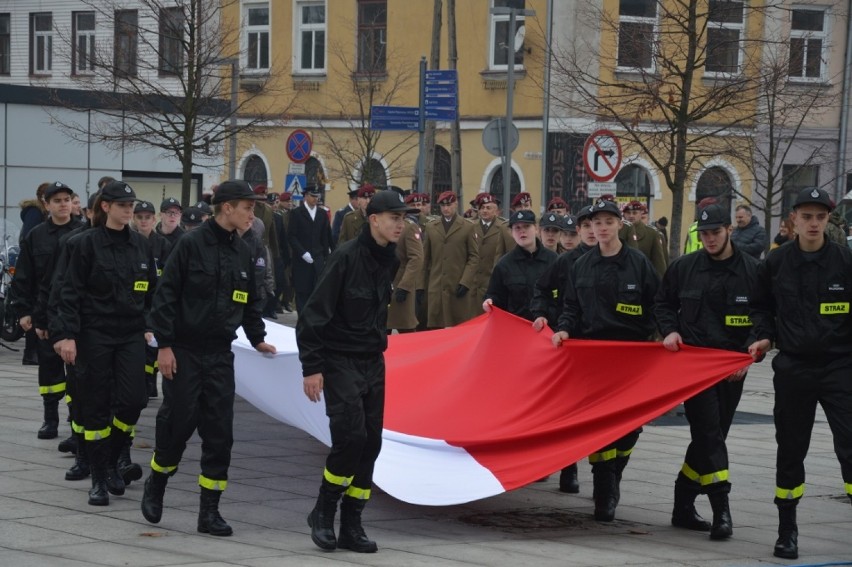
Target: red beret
x=366 y=190
x=416 y=198
x=468 y=214
x=260 y=189
x=285 y=196
x=446 y=198
x=485 y=198
x=521 y=198
x=557 y=203
x=634 y=206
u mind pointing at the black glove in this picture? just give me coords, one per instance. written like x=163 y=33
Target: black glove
x=400 y=295
x=419 y=296
x=461 y=291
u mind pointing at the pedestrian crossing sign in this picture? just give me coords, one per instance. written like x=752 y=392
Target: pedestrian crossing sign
x=295 y=185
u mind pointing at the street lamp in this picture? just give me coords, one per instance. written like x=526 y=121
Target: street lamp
x=513 y=14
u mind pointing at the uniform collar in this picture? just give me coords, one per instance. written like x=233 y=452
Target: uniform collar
x=215 y=234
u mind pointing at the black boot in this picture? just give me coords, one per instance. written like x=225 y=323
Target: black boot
x=152 y=496
x=605 y=494
x=128 y=470
x=321 y=518
x=723 y=526
x=98 y=457
x=352 y=534
x=209 y=519
x=50 y=428
x=80 y=469
x=68 y=445
x=115 y=483
x=684 y=514
x=568 y=480
x=787 y=544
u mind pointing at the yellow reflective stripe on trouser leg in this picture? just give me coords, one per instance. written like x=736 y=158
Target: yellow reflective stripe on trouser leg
x=128 y=429
x=67 y=398
x=790 y=493
x=210 y=484
x=90 y=435
x=157 y=468
x=358 y=493
x=149 y=369
x=603 y=456
x=76 y=427
x=848 y=487
x=704 y=479
x=338 y=480
x=53 y=389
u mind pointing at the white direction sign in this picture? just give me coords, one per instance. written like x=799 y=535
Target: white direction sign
x=599 y=189
x=602 y=155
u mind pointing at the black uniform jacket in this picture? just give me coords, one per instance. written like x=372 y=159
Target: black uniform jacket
x=513 y=279
x=802 y=300
x=612 y=297
x=347 y=312
x=107 y=286
x=160 y=248
x=550 y=288
x=707 y=301
x=206 y=291
x=308 y=235
x=37 y=248
x=51 y=283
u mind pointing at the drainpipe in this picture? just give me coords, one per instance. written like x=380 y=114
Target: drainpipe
x=545 y=118
x=840 y=173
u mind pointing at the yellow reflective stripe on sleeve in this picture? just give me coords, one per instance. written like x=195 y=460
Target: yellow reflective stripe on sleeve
x=77 y=428
x=149 y=369
x=117 y=423
x=140 y=286
x=157 y=468
x=840 y=308
x=90 y=435
x=737 y=321
x=789 y=494
x=358 y=493
x=210 y=484
x=53 y=389
x=704 y=479
x=67 y=398
x=338 y=480
x=628 y=309
x=240 y=296
x=848 y=487
x=604 y=456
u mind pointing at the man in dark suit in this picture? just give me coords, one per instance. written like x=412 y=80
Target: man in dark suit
x=310 y=240
x=338 y=216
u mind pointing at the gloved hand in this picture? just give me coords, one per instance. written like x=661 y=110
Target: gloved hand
x=400 y=295
x=308 y=258
x=461 y=291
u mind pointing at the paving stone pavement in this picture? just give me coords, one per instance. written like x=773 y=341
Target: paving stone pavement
x=275 y=471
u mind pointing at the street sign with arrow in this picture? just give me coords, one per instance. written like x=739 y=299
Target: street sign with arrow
x=602 y=155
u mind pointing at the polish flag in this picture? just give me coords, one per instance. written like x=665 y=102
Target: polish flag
x=489 y=406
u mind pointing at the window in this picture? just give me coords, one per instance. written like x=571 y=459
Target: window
x=5 y=44
x=257 y=37
x=807 y=44
x=724 y=35
x=500 y=35
x=496 y=185
x=41 y=50
x=633 y=181
x=372 y=171
x=795 y=178
x=314 y=173
x=126 y=30
x=637 y=20
x=171 y=41
x=83 y=54
x=372 y=36
x=254 y=171
x=310 y=36
x=715 y=182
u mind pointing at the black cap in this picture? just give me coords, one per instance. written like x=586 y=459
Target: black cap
x=551 y=220
x=191 y=215
x=389 y=202
x=235 y=190
x=143 y=207
x=813 y=196
x=168 y=203
x=117 y=192
x=55 y=188
x=603 y=206
x=203 y=207
x=316 y=190
x=522 y=217
x=584 y=213
x=569 y=223
x=712 y=217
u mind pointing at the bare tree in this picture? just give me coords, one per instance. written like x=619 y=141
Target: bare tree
x=666 y=80
x=160 y=80
x=377 y=77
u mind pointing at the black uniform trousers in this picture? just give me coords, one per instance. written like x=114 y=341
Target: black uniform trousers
x=354 y=389
x=110 y=383
x=200 y=396
x=710 y=414
x=801 y=383
x=614 y=457
x=51 y=372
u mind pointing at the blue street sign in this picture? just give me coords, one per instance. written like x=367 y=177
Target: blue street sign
x=441 y=89
x=295 y=185
x=394 y=118
x=394 y=124
x=439 y=113
x=442 y=75
x=443 y=100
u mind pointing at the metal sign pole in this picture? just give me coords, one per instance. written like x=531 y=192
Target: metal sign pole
x=421 y=169
x=510 y=91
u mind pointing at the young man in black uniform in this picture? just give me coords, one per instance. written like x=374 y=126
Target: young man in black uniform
x=342 y=336
x=802 y=303
x=36 y=250
x=515 y=274
x=703 y=301
x=612 y=298
x=309 y=235
x=206 y=291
